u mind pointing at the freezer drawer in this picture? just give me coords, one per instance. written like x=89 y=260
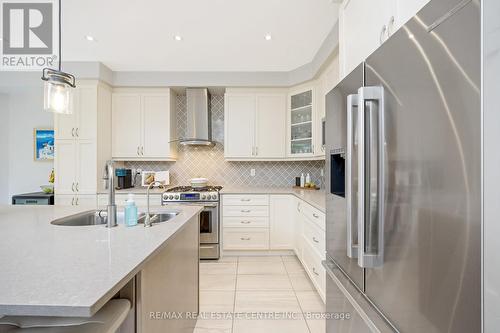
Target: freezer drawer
x=347 y=309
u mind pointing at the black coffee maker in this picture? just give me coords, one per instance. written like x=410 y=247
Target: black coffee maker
x=124 y=178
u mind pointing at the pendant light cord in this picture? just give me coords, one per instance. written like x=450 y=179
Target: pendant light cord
x=60 y=44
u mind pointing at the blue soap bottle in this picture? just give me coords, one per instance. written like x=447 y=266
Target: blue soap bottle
x=130 y=211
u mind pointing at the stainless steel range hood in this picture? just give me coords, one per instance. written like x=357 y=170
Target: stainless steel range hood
x=199 y=118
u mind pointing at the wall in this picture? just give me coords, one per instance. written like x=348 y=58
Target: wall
x=210 y=163
x=4 y=144
x=26 y=113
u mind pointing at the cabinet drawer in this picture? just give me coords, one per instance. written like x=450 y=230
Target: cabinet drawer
x=313 y=214
x=246 y=238
x=315 y=269
x=244 y=222
x=245 y=200
x=315 y=237
x=245 y=211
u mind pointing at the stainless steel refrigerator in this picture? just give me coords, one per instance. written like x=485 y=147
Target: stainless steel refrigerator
x=403 y=132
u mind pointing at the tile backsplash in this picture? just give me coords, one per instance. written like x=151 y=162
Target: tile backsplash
x=209 y=162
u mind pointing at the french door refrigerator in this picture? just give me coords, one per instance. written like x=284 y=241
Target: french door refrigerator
x=403 y=132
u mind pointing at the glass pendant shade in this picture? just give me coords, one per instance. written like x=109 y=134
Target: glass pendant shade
x=58 y=91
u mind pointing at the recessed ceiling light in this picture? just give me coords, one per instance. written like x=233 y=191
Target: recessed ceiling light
x=268 y=37
x=89 y=38
x=178 y=38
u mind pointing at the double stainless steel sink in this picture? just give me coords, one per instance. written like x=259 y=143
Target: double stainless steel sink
x=98 y=217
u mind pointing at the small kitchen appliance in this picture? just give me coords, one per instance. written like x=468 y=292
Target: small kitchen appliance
x=124 y=178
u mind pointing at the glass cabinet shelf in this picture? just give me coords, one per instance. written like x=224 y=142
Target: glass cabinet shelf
x=301 y=123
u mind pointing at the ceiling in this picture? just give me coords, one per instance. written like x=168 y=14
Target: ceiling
x=217 y=35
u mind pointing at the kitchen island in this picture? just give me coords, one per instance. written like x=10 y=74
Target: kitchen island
x=72 y=271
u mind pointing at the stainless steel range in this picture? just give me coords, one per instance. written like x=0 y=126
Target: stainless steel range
x=208 y=197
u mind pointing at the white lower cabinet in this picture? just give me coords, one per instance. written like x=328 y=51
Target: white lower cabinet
x=282 y=231
x=76 y=200
x=237 y=238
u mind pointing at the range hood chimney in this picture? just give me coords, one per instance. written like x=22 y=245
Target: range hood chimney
x=199 y=118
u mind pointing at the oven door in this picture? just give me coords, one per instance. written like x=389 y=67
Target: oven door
x=209 y=224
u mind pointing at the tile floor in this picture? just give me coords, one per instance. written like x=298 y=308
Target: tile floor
x=258 y=294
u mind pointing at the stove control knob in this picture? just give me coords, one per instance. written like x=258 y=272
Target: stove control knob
x=176 y=197
x=203 y=196
x=214 y=196
x=170 y=196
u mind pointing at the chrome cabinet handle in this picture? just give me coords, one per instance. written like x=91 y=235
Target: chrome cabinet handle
x=138 y=151
x=390 y=26
x=73 y=187
x=73 y=132
x=76 y=202
x=315 y=215
x=382 y=34
x=76 y=187
x=245 y=210
x=245 y=222
x=76 y=132
x=314 y=271
x=142 y=151
x=245 y=238
x=73 y=201
x=315 y=240
x=351 y=161
x=256 y=151
x=371 y=154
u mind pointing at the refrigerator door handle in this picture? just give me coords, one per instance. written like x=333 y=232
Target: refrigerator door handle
x=352 y=232
x=371 y=182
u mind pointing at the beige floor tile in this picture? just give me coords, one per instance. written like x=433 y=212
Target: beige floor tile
x=293 y=267
x=218 y=268
x=213 y=326
x=266 y=301
x=217 y=282
x=263 y=282
x=251 y=267
x=216 y=301
x=316 y=325
x=301 y=282
x=310 y=301
x=290 y=258
x=222 y=260
x=270 y=326
x=259 y=259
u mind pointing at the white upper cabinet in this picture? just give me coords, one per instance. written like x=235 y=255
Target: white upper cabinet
x=364 y=25
x=301 y=123
x=255 y=125
x=143 y=124
x=239 y=123
x=270 y=129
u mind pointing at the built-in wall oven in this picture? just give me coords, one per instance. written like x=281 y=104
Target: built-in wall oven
x=208 y=197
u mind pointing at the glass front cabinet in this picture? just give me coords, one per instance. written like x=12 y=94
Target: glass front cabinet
x=301 y=121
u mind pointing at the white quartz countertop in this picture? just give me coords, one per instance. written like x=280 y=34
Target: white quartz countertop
x=316 y=198
x=50 y=270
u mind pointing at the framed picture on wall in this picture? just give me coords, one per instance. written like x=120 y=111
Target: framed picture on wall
x=43 y=144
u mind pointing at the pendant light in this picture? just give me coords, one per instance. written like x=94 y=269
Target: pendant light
x=58 y=85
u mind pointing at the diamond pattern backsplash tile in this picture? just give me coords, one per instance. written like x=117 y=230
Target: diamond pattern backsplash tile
x=209 y=162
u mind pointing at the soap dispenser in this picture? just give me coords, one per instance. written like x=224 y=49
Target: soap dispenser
x=130 y=211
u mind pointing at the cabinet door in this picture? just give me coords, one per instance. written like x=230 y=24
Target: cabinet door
x=363 y=28
x=270 y=126
x=86 y=200
x=65 y=124
x=86 y=112
x=86 y=167
x=281 y=222
x=65 y=166
x=301 y=124
x=126 y=125
x=239 y=125
x=64 y=199
x=156 y=120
